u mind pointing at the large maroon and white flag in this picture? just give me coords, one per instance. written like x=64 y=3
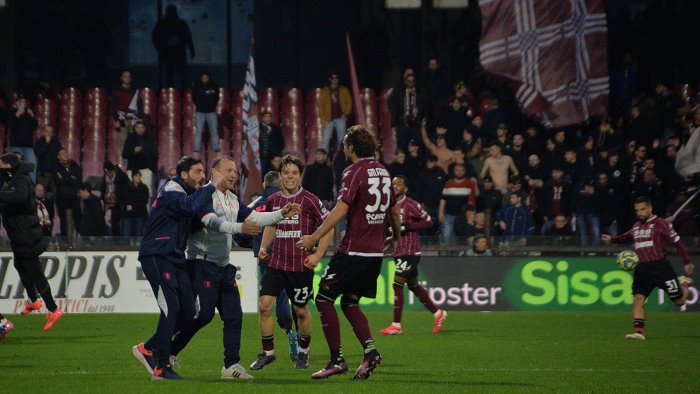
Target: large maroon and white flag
x=552 y=52
x=251 y=181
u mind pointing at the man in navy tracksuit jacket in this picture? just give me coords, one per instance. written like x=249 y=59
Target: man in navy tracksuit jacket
x=162 y=257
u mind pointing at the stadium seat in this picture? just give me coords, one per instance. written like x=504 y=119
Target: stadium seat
x=386 y=136
x=169 y=130
x=70 y=122
x=149 y=101
x=292 y=122
x=237 y=125
x=314 y=126
x=369 y=103
x=268 y=101
x=223 y=109
x=96 y=116
x=46 y=112
x=188 y=122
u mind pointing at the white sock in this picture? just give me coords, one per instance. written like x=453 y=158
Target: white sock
x=269 y=352
x=437 y=313
x=395 y=324
x=302 y=350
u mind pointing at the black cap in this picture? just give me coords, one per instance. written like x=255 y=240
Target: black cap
x=108 y=166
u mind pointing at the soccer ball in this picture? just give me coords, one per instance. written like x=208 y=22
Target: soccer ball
x=627 y=260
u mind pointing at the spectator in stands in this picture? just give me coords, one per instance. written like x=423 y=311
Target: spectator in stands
x=407 y=106
x=276 y=163
x=609 y=201
x=534 y=141
x=92 y=217
x=490 y=199
x=429 y=185
x=454 y=120
x=557 y=197
x=126 y=106
x=534 y=178
x=172 y=173
x=68 y=177
x=606 y=137
x=588 y=213
x=205 y=94
x=561 y=230
x=503 y=138
x=515 y=220
x=477 y=128
x=493 y=116
x=46 y=150
x=439 y=149
x=457 y=192
x=140 y=153
x=576 y=172
x=415 y=162
x=44 y=209
x=399 y=165
x=436 y=85
x=135 y=207
x=518 y=153
x=461 y=159
x=171 y=37
x=469 y=144
x=650 y=186
x=636 y=167
x=114 y=192
x=480 y=248
x=318 y=177
x=334 y=108
x=271 y=142
x=22 y=124
x=464 y=224
x=498 y=166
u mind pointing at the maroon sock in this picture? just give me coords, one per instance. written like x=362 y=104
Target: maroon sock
x=423 y=296
x=359 y=324
x=329 y=323
x=639 y=325
x=398 y=302
x=304 y=341
x=268 y=343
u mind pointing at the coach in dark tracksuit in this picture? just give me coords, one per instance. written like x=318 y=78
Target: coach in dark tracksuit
x=162 y=259
x=21 y=221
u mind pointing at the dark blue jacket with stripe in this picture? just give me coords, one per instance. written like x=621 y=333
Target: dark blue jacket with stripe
x=168 y=225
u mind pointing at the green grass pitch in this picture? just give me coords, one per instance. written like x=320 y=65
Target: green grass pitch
x=476 y=352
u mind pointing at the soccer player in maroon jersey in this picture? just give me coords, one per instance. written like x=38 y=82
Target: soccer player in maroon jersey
x=290 y=268
x=407 y=257
x=650 y=235
x=367 y=199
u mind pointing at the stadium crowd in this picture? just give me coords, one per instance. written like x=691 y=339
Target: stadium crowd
x=470 y=169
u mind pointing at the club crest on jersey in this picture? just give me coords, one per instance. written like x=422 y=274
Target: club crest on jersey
x=167 y=275
x=207 y=284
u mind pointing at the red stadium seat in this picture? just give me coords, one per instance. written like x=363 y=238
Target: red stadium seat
x=268 y=102
x=70 y=122
x=96 y=118
x=46 y=112
x=369 y=103
x=223 y=109
x=237 y=126
x=149 y=101
x=385 y=134
x=314 y=126
x=169 y=130
x=188 y=122
x=293 y=122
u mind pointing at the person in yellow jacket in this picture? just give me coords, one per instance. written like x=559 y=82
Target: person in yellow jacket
x=334 y=107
